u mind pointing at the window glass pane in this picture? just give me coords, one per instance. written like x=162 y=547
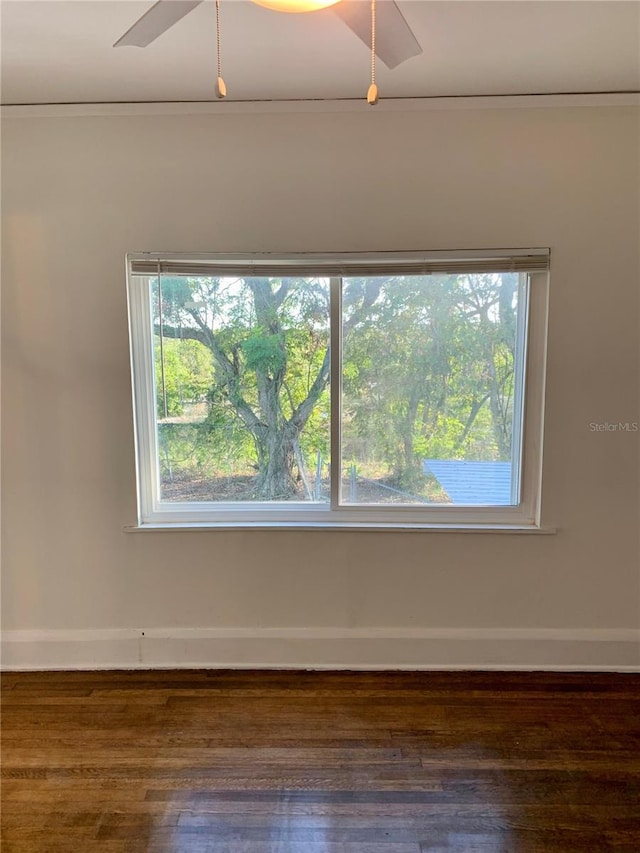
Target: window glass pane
x=241 y=370
x=431 y=368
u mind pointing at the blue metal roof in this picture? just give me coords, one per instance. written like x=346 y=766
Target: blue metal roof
x=477 y=483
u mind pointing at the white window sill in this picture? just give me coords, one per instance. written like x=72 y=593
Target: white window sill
x=347 y=525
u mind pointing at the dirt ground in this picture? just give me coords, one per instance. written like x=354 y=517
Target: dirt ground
x=190 y=488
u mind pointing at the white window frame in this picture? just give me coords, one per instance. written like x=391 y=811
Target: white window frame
x=153 y=513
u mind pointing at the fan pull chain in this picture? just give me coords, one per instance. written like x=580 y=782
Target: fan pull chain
x=372 y=94
x=221 y=89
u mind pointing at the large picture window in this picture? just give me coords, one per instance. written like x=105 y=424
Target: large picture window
x=368 y=390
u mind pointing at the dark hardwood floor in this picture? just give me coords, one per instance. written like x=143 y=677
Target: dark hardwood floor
x=277 y=762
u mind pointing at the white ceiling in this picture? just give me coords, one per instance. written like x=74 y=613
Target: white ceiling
x=60 y=51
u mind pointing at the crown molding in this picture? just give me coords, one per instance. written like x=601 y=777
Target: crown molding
x=388 y=105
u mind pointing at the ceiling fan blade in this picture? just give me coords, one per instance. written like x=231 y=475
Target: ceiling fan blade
x=155 y=21
x=395 y=42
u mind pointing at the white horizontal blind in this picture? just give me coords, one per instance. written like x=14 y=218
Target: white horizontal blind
x=528 y=261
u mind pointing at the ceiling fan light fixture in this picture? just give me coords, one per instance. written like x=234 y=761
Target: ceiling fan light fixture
x=296 y=5
x=397 y=42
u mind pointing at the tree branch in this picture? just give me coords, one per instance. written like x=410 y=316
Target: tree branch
x=176 y=333
x=230 y=371
x=476 y=406
x=301 y=415
x=371 y=292
x=281 y=294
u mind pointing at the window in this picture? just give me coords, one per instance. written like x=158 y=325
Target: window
x=358 y=390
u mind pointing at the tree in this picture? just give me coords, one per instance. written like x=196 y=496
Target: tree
x=430 y=373
x=427 y=370
x=490 y=301
x=398 y=366
x=269 y=344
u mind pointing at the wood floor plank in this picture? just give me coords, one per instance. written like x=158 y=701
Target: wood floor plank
x=303 y=762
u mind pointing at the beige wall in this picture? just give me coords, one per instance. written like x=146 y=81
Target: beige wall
x=80 y=192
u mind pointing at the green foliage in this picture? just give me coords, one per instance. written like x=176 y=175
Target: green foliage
x=264 y=343
x=264 y=351
x=428 y=372
x=188 y=374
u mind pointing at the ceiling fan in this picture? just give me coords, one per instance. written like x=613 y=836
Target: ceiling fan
x=390 y=38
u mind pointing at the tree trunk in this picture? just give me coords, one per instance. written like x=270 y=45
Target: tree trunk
x=275 y=480
x=409 y=469
x=501 y=426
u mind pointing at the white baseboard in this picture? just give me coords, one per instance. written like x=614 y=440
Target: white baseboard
x=325 y=648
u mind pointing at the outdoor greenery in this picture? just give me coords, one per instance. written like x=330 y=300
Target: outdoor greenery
x=242 y=378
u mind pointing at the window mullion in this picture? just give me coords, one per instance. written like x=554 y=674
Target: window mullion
x=335 y=322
